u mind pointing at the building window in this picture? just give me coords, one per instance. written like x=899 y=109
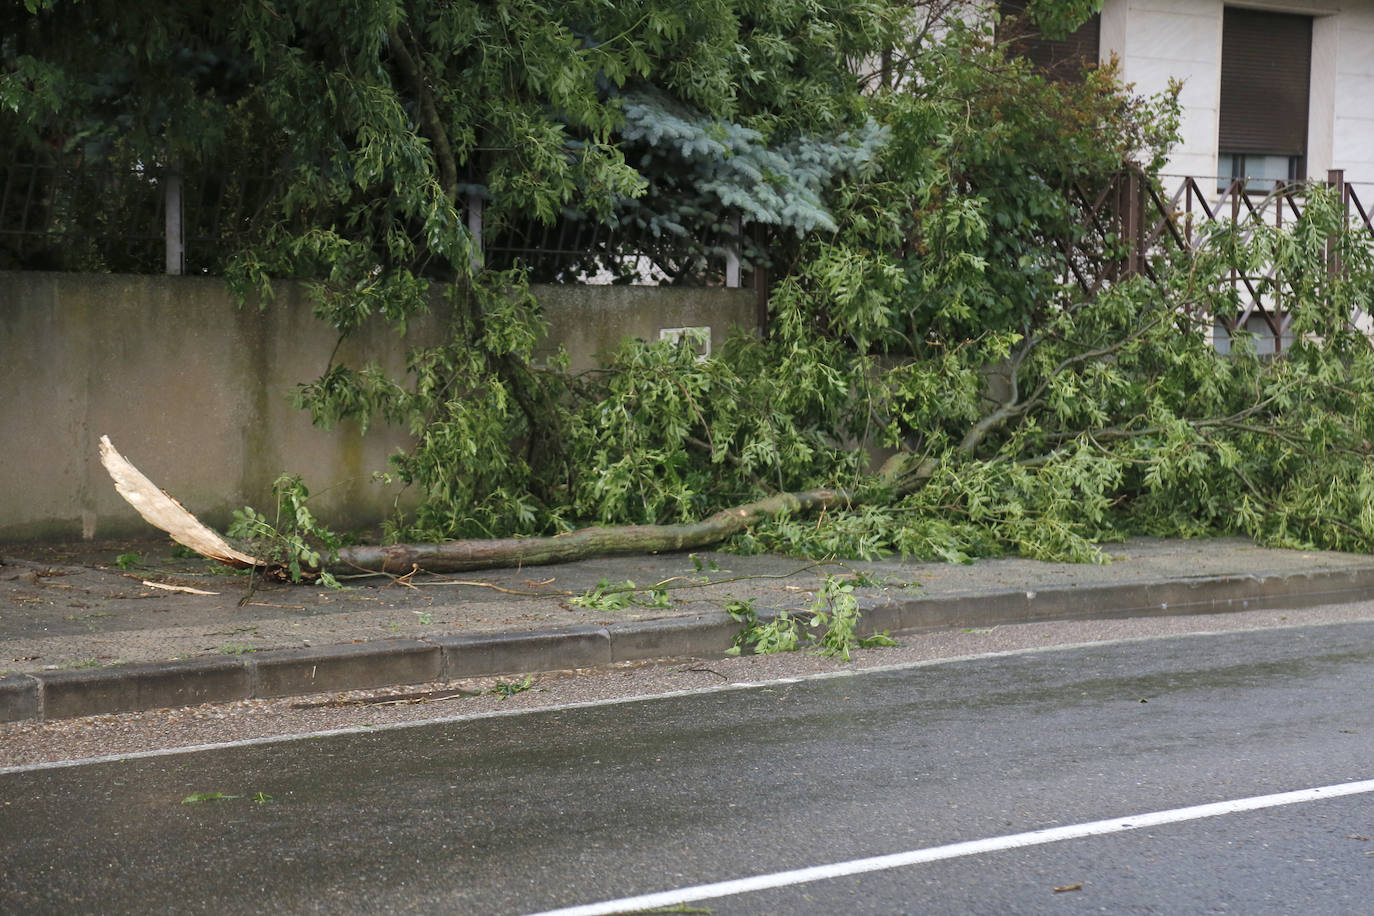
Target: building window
x=1259 y=170
x=1266 y=75
x=1063 y=58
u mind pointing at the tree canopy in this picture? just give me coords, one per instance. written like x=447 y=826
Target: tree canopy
x=918 y=195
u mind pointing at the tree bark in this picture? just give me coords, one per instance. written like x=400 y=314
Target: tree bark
x=429 y=113
x=584 y=543
x=160 y=510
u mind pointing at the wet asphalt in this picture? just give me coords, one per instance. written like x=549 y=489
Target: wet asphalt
x=527 y=812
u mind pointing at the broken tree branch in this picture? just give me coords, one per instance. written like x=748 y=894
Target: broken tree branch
x=164 y=512
x=454 y=556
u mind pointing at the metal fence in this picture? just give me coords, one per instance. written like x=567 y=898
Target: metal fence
x=1130 y=219
x=579 y=250
x=150 y=218
x=46 y=220
x=153 y=219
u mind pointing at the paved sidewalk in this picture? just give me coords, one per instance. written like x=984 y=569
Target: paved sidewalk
x=79 y=635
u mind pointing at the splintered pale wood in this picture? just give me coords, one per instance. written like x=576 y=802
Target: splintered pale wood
x=162 y=511
x=166 y=513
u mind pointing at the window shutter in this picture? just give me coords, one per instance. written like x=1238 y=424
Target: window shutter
x=1266 y=73
x=1062 y=58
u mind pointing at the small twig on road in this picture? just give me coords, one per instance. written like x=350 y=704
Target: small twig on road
x=703 y=669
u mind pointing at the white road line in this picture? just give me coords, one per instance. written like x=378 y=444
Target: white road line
x=956 y=850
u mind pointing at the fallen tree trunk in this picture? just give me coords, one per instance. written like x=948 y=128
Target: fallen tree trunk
x=164 y=512
x=584 y=543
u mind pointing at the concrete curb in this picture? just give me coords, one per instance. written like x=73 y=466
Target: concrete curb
x=293 y=672
x=1201 y=595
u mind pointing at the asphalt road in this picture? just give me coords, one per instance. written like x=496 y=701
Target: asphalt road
x=565 y=807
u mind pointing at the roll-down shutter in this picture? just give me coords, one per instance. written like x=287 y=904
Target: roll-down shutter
x=1266 y=69
x=1064 y=57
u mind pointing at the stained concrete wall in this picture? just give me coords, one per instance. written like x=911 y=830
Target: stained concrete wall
x=196 y=392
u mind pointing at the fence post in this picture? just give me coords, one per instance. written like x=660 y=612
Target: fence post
x=1118 y=220
x=173 y=230
x=1335 y=178
x=1137 y=222
x=759 y=276
x=1131 y=220
x=475 y=229
x=732 y=255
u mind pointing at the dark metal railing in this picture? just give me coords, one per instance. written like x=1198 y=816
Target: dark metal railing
x=151 y=219
x=1130 y=224
x=145 y=219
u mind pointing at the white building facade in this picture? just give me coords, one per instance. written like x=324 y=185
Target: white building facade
x=1281 y=90
x=1271 y=93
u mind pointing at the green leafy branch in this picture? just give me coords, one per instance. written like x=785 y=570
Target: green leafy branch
x=294 y=539
x=606 y=596
x=830 y=626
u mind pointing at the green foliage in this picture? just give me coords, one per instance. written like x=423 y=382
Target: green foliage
x=505 y=689
x=711 y=181
x=835 y=620
x=127 y=561
x=293 y=538
x=988 y=180
x=197 y=798
x=606 y=596
x=781 y=634
x=830 y=625
x=662 y=436
x=1125 y=419
x=916 y=192
x=1058 y=18
x=699 y=565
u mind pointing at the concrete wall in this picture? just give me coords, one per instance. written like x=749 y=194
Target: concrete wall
x=1353 y=95
x=1159 y=39
x=196 y=392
